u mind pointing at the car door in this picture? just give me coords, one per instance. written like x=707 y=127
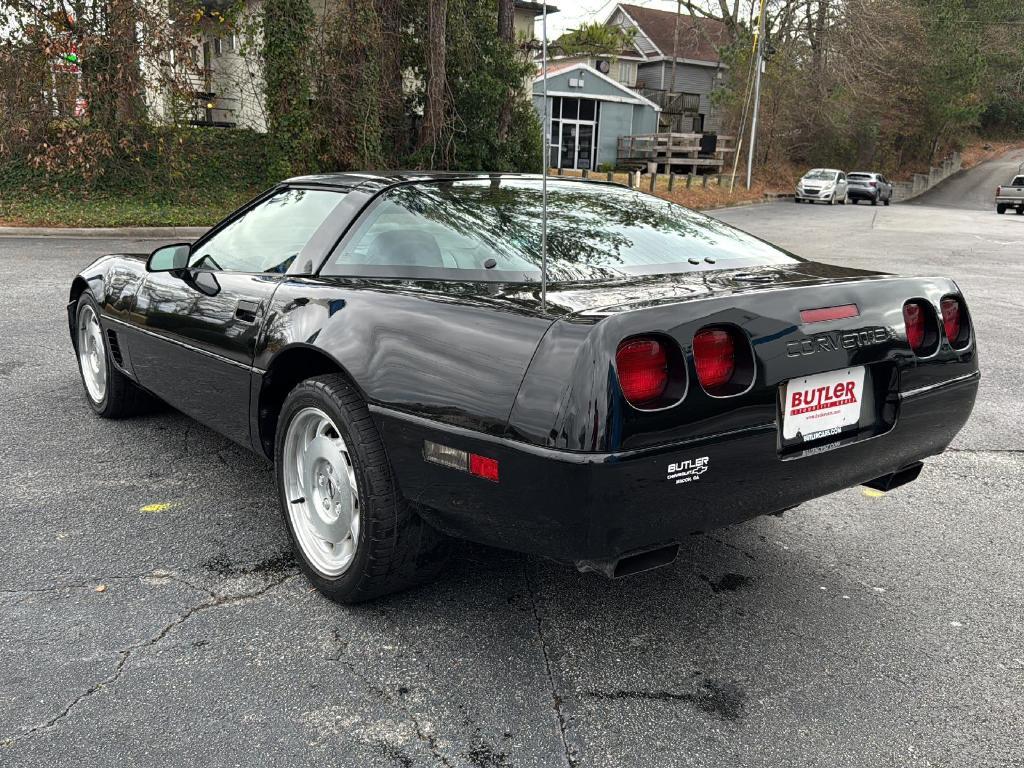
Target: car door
x=841 y=186
x=196 y=329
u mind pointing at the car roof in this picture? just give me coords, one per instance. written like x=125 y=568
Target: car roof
x=383 y=179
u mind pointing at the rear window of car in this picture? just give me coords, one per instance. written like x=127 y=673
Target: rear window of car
x=490 y=230
x=862 y=176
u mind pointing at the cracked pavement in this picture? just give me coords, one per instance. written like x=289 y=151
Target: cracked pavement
x=854 y=631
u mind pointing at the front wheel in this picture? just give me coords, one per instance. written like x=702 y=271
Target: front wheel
x=1000 y=209
x=355 y=536
x=109 y=392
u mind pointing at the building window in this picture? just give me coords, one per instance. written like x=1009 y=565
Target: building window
x=625 y=73
x=232 y=42
x=218 y=46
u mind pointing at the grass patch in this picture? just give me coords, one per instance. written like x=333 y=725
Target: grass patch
x=39 y=209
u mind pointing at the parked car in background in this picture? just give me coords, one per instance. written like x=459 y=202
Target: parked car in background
x=1011 y=196
x=825 y=184
x=868 y=185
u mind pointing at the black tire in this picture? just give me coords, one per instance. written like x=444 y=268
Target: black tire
x=888 y=200
x=1000 y=209
x=397 y=549
x=796 y=200
x=874 y=201
x=1020 y=211
x=122 y=396
x=854 y=200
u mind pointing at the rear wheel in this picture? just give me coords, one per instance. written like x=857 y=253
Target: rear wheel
x=1020 y=211
x=1000 y=208
x=874 y=201
x=109 y=392
x=355 y=536
x=888 y=199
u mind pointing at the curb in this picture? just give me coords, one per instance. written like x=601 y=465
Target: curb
x=162 y=233
x=766 y=201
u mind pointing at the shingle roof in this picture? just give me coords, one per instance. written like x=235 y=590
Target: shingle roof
x=699 y=37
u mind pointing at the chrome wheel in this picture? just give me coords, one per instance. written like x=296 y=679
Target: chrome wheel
x=92 y=354
x=321 y=491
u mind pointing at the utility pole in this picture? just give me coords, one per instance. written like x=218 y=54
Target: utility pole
x=759 y=63
x=544 y=168
x=675 y=54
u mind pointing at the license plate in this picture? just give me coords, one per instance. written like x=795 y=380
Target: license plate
x=822 y=405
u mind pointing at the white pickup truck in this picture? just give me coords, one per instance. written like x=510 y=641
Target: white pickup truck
x=1011 y=195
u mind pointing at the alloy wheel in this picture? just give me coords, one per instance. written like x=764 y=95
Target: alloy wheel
x=321 y=491
x=92 y=354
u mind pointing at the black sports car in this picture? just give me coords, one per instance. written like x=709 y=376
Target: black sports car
x=389 y=342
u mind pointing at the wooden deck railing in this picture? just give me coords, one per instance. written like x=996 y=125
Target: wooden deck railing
x=672 y=150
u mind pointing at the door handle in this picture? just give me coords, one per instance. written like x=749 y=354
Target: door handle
x=247 y=311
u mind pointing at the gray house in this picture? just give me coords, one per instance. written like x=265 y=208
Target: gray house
x=589 y=111
x=683 y=90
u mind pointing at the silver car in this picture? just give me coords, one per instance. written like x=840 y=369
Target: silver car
x=868 y=185
x=824 y=184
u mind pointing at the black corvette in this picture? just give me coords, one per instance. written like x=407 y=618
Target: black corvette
x=388 y=341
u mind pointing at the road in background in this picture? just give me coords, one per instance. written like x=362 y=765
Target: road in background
x=974 y=189
x=854 y=631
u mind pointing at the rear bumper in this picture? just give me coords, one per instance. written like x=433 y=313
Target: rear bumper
x=593 y=506
x=1013 y=202
x=861 y=193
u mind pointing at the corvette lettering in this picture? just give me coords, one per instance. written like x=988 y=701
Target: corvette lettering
x=834 y=341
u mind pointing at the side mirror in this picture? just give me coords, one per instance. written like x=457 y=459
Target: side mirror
x=169 y=258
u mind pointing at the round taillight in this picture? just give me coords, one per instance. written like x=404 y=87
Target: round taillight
x=642 y=365
x=714 y=355
x=914 y=319
x=951 y=318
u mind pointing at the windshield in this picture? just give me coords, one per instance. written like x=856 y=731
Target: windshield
x=818 y=174
x=490 y=229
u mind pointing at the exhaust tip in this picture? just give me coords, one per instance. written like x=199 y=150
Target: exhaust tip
x=638 y=562
x=907 y=474
x=645 y=561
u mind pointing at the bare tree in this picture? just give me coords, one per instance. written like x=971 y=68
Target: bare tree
x=435 y=109
x=506 y=33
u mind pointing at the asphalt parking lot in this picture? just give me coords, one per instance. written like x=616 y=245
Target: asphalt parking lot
x=153 y=614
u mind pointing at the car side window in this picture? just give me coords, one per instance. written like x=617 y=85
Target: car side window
x=268 y=237
x=842 y=176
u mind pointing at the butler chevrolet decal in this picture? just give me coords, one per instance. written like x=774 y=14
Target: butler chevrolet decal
x=687 y=470
x=833 y=341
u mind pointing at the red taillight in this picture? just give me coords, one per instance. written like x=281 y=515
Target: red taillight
x=872 y=184
x=643 y=370
x=951 y=318
x=714 y=355
x=914 y=319
x=484 y=467
x=999 y=191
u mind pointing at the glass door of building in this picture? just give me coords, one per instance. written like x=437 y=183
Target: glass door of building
x=574 y=133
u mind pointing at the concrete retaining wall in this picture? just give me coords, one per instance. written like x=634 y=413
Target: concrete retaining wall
x=905 y=190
